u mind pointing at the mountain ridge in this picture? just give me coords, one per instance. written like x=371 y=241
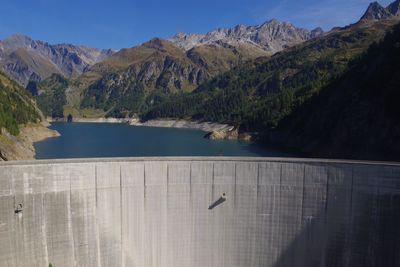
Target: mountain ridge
x=41 y=59
x=376 y=11
x=272 y=35
x=158 y=67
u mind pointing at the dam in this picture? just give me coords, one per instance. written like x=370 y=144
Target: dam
x=201 y=212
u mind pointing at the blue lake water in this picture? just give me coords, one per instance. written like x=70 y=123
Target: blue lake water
x=88 y=140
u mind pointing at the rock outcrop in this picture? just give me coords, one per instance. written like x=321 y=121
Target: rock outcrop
x=229 y=134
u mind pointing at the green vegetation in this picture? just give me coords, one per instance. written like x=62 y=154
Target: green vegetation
x=259 y=94
x=51 y=96
x=16 y=106
x=330 y=96
x=356 y=115
x=136 y=79
x=118 y=103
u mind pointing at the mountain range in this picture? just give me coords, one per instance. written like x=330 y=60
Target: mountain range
x=26 y=60
x=272 y=36
x=253 y=77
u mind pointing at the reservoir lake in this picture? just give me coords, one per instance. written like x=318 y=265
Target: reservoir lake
x=95 y=140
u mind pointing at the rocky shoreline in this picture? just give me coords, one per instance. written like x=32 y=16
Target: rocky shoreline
x=95 y=120
x=21 y=147
x=214 y=131
x=183 y=124
x=232 y=134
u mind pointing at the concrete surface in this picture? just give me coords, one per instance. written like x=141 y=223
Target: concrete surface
x=156 y=212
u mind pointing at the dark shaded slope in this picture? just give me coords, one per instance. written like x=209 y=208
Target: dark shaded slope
x=356 y=116
x=50 y=95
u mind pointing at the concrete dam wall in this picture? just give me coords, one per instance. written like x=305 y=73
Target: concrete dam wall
x=199 y=212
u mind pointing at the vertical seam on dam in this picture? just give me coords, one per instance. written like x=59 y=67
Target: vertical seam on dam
x=327 y=193
x=351 y=194
x=257 y=258
x=95 y=183
x=121 y=215
x=96 y=218
x=44 y=230
x=280 y=192
x=144 y=182
x=70 y=218
x=212 y=184
x=351 y=208
x=234 y=189
x=303 y=195
x=190 y=183
x=258 y=183
x=167 y=185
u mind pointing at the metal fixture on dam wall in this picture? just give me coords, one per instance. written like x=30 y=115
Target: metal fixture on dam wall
x=200 y=212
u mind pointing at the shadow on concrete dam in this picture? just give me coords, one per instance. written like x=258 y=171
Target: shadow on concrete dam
x=200 y=212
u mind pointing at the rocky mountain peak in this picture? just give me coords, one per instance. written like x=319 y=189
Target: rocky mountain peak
x=375 y=12
x=19 y=38
x=394 y=8
x=154 y=43
x=317 y=32
x=161 y=45
x=271 y=22
x=15 y=41
x=181 y=35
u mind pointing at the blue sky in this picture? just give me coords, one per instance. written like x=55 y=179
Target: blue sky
x=125 y=23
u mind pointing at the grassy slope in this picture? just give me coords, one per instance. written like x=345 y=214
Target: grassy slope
x=38 y=64
x=219 y=59
x=138 y=55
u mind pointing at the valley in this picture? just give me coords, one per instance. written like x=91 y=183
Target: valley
x=257 y=79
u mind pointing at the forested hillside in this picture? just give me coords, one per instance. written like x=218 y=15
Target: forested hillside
x=50 y=95
x=358 y=114
x=16 y=106
x=134 y=77
x=259 y=94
